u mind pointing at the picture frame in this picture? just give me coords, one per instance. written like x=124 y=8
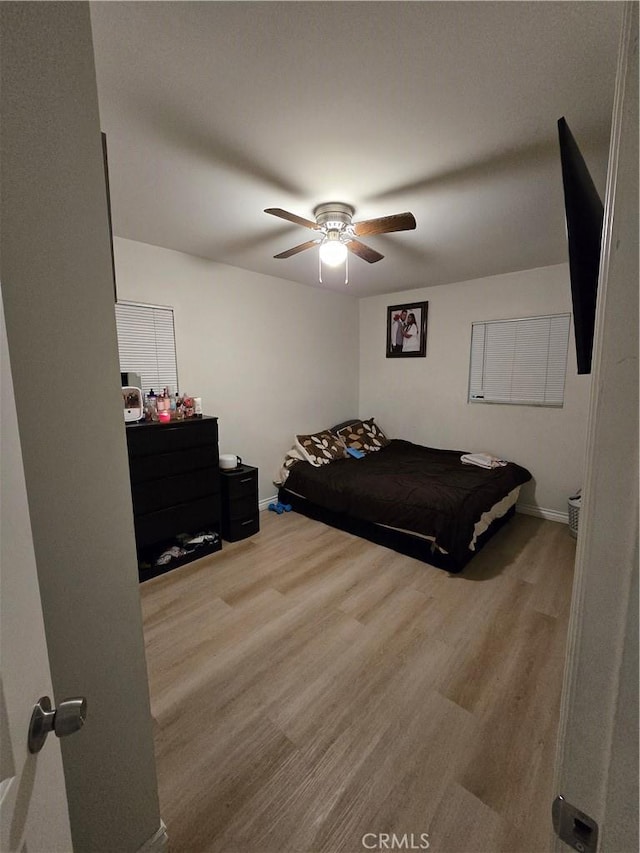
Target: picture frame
x=411 y=341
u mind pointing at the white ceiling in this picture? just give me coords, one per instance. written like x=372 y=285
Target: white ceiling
x=216 y=110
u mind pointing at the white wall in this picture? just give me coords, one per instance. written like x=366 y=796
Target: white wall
x=57 y=290
x=268 y=357
x=425 y=399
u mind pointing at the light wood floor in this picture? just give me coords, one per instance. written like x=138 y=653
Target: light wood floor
x=308 y=687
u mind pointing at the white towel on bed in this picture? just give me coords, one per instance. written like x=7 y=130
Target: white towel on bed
x=482 y=460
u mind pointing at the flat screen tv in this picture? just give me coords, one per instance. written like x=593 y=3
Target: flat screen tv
x=584 y=213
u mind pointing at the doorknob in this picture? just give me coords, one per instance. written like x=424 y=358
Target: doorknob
x=64 y=720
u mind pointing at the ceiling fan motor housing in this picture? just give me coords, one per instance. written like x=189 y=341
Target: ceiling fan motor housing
x=333 y=216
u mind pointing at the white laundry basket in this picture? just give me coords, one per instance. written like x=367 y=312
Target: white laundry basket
x=574 y=503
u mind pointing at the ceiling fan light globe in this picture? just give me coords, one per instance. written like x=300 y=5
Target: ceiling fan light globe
x=333 y=253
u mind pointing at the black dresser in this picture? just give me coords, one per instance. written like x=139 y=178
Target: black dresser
x=175 y=479
x=240 y=515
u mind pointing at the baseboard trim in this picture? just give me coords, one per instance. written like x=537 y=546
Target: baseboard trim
x=264 y=503
x=540 y=512
x=158 y=842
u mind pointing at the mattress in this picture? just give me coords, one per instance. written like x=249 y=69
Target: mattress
x=424 y=491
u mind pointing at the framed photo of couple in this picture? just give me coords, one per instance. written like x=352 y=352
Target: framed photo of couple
x=407 y=330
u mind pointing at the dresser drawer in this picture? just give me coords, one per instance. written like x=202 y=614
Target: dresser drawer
x=240 y=484
x=151 y=439
x=240 y=507
x=162 y=465
x=241 y=528
x=181 y=488
x=193 y=517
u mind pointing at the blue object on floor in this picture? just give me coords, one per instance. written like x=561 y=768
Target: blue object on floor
x=280 y=507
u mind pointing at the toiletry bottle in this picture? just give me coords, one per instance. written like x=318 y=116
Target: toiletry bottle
x=151 y=413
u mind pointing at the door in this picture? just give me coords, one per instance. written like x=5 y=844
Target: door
x=597 y=769
x=33 y=802
x=57 y=290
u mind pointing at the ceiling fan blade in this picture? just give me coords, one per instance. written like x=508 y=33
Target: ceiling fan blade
x=385 y=224
x=296 y=249
x=291 y=217
x=365 y=252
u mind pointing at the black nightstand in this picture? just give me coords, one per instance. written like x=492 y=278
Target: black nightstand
x=240 y=516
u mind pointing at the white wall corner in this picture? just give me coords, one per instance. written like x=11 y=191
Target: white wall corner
x=541 y=512
x=158 y=842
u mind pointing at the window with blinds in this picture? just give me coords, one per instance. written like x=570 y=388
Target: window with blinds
x=146 y=343
x=519 y=361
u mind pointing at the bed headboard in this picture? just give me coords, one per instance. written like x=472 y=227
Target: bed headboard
x=335 y=428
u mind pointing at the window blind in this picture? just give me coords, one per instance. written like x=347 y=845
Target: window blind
x=519 y=361
x=146 y=343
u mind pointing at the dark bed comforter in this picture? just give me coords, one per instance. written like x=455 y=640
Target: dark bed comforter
x=410 y=487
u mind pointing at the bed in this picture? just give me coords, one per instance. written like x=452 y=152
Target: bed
x=418 y=500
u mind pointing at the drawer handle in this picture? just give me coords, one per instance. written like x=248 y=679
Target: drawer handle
x=247 y=480
x=244 y=523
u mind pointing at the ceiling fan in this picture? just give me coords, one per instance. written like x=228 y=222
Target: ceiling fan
x=337 y=233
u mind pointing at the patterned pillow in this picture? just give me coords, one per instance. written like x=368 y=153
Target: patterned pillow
x=321 y=447
x=363 y=435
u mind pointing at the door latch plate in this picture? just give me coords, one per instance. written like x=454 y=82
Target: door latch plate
x=574 y=827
